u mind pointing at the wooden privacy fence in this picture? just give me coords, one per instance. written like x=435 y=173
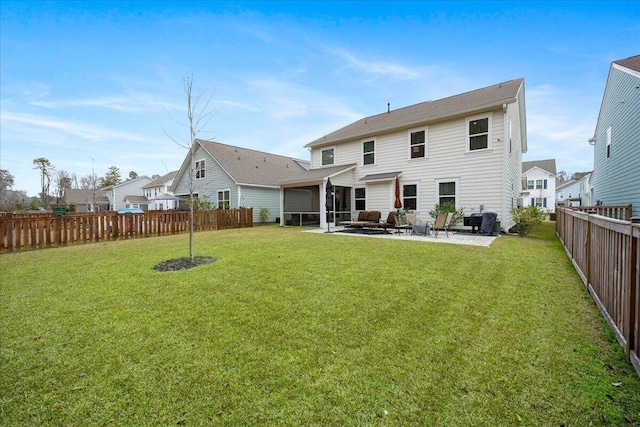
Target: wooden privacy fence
x=605 y=254
x=24 y=233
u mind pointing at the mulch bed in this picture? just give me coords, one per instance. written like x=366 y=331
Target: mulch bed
x=183 y=263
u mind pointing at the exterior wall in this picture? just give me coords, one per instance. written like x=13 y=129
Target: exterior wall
x=215 y=179
x=261 y=197
x=616 y=180
x=127 y=188
x=569 y=192
x=160 y=204
x=549 y=193
x=488 y=177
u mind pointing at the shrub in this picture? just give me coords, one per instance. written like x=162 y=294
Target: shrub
x=264 y=215
x=526 y=217
x=447 y=207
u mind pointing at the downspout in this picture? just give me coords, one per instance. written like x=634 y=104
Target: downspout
x=281 y=206
x=505 y=165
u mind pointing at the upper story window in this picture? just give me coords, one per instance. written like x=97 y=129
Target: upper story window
x=328 y=156
x=530 y=184
x=609 y=142
x=479 y=133
x=538 y=184
x=417 y=143
x=200 y=169
x=369 y=152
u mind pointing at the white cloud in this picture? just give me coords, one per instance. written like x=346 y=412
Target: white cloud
x=376 y=69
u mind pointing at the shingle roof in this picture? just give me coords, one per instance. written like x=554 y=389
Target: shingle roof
x=548 y=165
x=253 y=167
x=162 y=180
x=82 y=196
x=632 y=62
x=135 y=199
x=565 y=184
x=318 y=174
x=425 y=112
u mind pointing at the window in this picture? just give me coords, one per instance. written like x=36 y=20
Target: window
x=539 y=202
x=418 y=144
x=200 y=169
x=360 y=197
x=478 y=133
x=369 y=152
x=328 y=156
x=223 y=199
x=530 y=184
x=447 y=192
x=538 y=184
x=609 y=142
x=410 y=196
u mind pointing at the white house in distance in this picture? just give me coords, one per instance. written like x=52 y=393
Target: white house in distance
x=159 y=195
x=234 y=177
x=540 y=189
x=465 y=148
x=118 y=194
x=616 y=166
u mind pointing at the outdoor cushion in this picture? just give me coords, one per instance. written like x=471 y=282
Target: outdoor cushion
x=374 y=216
x=363 y=216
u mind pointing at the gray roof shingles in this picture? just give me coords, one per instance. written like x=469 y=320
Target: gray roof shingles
x=253 y=167
x=162 y=180
x=548 y=165
x=425 y=112
x=632 y=62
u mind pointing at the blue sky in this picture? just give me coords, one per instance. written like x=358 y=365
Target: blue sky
x=89 y=85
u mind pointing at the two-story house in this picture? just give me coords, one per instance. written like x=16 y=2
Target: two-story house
x=231 y=177
x=568 y=193
x=616 y=169
x=466 y=149
x=123 y=195
x=159 y=195
x=540 y=179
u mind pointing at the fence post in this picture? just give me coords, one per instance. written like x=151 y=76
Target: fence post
x=588 y=252
x=633 y=290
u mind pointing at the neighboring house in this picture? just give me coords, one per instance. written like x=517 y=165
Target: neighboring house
x=616 y=171
x=159 y=193
x=568 y=193
x=540 y=189
x=586 y=190
x=232 y=177
x=90 y=200
x=118 y=193
x=466 y=149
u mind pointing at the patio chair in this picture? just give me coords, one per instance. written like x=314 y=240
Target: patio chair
x=442 y=222
x=409 y=221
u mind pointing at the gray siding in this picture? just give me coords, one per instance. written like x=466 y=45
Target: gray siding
x=260 y=197
x=215 y=179
x=616 y=180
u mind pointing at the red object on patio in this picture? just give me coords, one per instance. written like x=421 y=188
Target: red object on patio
x=397 y=203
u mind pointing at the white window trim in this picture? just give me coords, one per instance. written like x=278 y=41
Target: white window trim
x=489 y=133
x=607 y=152
x=322 y=150
x=222 y=190
x=366 y=191
x=402 y=184
x=375 y=151
x=195 y=168
x=426 y=142
x=457 y=195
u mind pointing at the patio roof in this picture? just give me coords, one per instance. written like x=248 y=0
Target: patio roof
x=314 y=175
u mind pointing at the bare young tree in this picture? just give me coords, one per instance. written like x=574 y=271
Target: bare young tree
x=198 y=115
x=63 y=182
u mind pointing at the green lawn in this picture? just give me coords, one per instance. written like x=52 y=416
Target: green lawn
x=293 y=328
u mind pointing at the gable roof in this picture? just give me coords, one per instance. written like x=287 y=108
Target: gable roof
x=566 y=184
x=162 y=180
x=424 y=112
x=632 y=62
x=251 y=167
x=548 y=165
x=135 y=199
x=314 y=175
x=85 y=196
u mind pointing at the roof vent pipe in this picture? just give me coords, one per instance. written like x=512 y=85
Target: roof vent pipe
x=388 y=107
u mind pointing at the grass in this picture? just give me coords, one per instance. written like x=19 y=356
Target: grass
x=292 y=328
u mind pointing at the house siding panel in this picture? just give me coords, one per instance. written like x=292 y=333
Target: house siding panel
x=616 y=180
x=257 y=198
